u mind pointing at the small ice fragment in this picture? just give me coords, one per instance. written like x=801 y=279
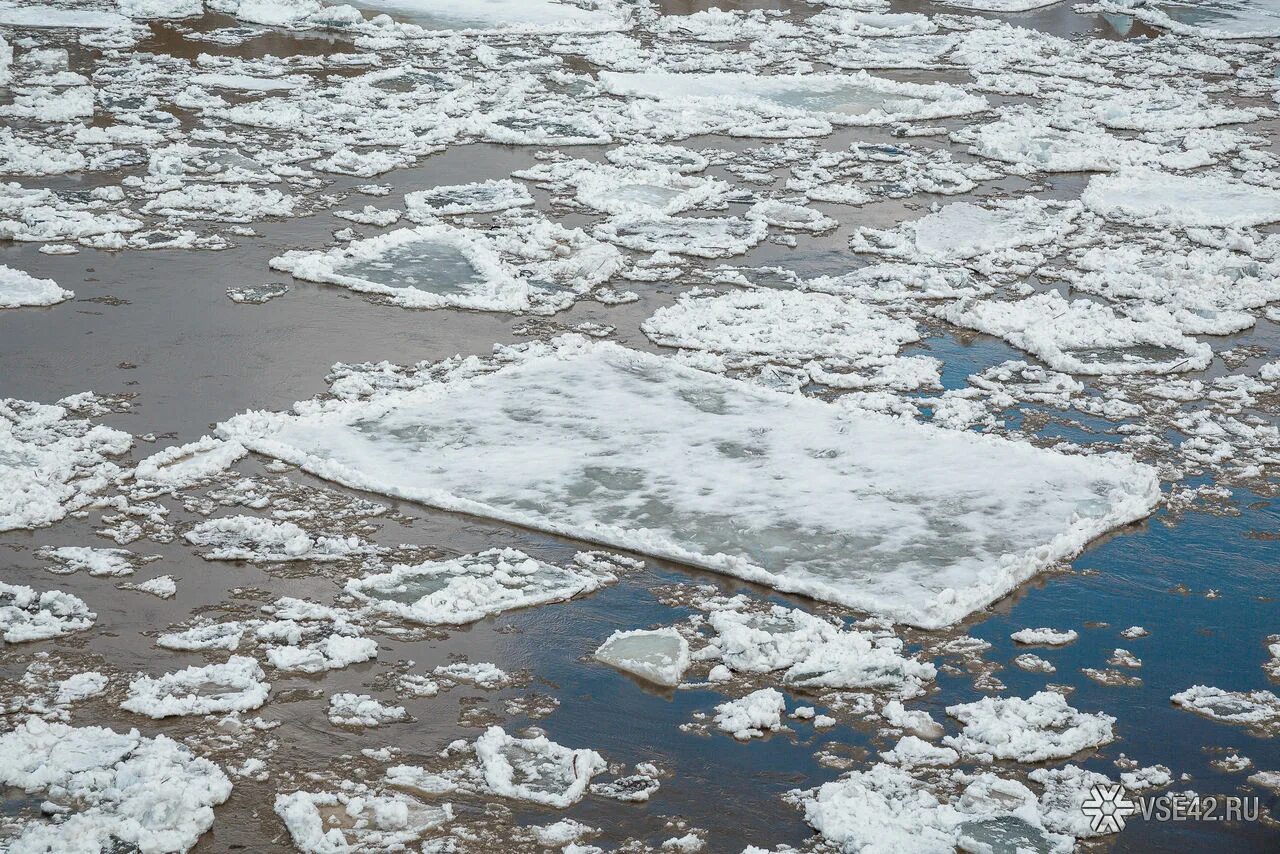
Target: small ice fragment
x=659 y=655
x=751 y=716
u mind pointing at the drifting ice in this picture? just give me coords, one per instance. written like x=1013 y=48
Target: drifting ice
x=795 y=493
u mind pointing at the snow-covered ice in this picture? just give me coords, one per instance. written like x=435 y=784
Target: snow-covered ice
x=1042 y=726
x=29 y=615
x=21 y=289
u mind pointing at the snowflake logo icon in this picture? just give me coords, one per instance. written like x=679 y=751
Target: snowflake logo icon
x=1107 y=807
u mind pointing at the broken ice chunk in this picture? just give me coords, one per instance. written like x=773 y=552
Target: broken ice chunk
x=96 y=562
x=778 y=323
x=1256 y=709
x=535 y=769
x=51 y=464
x=362 y=710
x=963 y=230
x=235 y=686
x=469 y=588
x=266 y=540
x=1044 y=637
x=431 y=266
x=21 y=289
x=482 y=197
x=143 y=794
x=340 y=822
x=1034 y=729
x=658 y=655
x=753 y=715
x=184 y=465
x=26 y=615
x=701 y=237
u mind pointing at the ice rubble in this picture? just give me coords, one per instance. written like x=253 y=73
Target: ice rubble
x=22 y=289
x=350 y=823
x=535 y=769
x=530 y=16
x=604 y=478
x=253 y=538
x=234 y=686
x=27 y=615
x=1034 y=729
x=52 y=464
x=362 y=710
x=185 y=465
x=753 y=715
x=885 y=808
x=471 y=587
x=659 y=655
x=151 y=794
x=94 y=561
x=769 y=322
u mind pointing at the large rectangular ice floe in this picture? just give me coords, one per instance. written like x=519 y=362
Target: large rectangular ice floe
x=592 y=440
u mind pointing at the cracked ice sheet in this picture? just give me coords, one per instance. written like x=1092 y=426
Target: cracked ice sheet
x=641 y=453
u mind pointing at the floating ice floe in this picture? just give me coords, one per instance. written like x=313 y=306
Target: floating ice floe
x=535 y=769
x=40 y=15
x=472 y=587
x=659 y=655
x=1034 y=729
x=308 y=638
x=912 y=751
x=94 y=561
x=437 y=265
x=1259 y=710
x=1215 y=19
x=482 y=674
x=52 y=464
x=962 y=230
x=1045 y=637
x=480 y=197
x=363 y=710
x=778 y=323
x=163 y=586
x=843 y=99
x=753 y=715
x=1083 y=336
x=109 y=789
x=363 y=823
x=925 y=547
x=813 y=653
x=700 y=237
x=256 y=294
x=261 y=540
x=185 y=465
x=530 y=16
x=26 y=615
x=1161 y=200
x=885 y=808
x=19 y=289
x=235 y=686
